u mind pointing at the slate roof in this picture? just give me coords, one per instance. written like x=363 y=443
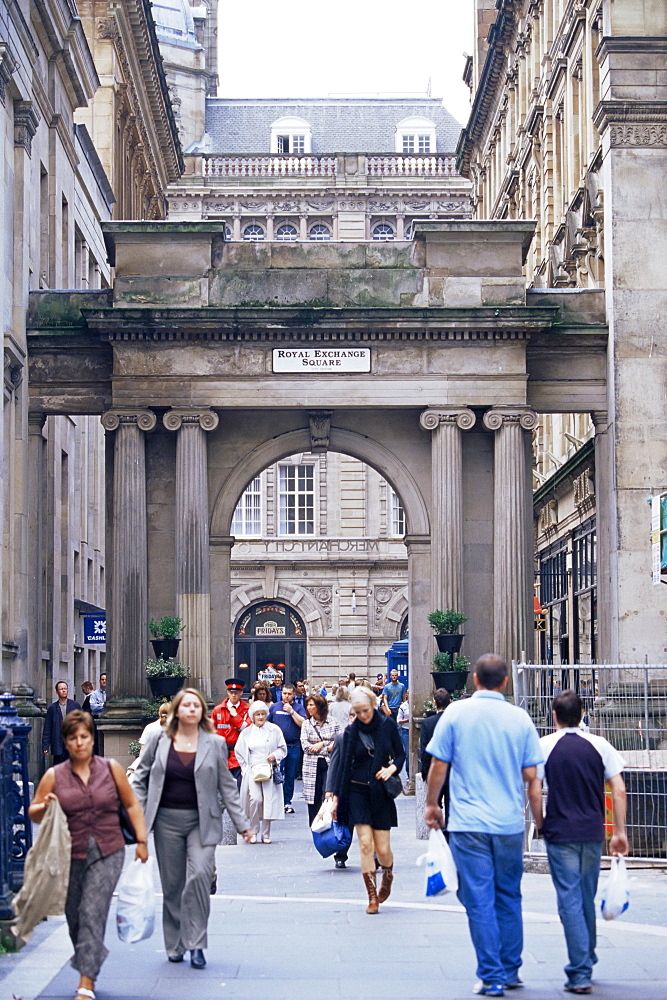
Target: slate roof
x=339 y=125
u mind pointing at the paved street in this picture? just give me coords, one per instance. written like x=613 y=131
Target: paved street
x=285 y=923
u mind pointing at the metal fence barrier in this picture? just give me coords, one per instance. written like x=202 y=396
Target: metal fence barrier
x=627 y=704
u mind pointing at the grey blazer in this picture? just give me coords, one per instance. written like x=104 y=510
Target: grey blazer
x=215 y=784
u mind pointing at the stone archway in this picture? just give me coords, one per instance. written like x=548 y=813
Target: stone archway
x=228 y=596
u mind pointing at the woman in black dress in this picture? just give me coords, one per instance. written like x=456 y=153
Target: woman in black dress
x=371 y=753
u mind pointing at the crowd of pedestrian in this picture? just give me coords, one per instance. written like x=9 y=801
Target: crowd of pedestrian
x=479 y=756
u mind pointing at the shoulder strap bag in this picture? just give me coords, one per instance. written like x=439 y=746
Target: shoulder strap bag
x=393 y=786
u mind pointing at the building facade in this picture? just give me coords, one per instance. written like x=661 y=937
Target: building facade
x=319 y=170
x=85 y=133
x=568 y=127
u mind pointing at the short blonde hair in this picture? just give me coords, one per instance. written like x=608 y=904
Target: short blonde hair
x=361 y=694
x=172 y=719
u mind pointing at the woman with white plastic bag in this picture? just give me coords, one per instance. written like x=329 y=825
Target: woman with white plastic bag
x=90 y=790
x=440 y=873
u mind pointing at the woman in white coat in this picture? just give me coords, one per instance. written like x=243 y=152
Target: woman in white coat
x=259 y=747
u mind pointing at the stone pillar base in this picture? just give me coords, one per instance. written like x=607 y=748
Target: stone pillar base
x=115 y=737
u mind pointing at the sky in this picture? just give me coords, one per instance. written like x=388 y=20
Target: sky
x=298 y=48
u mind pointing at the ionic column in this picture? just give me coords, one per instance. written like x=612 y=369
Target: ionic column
x=128 y=610
x=193 y=587
x=512 y=530
x=446 y=425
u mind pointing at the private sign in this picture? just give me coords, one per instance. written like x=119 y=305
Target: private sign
x=322 y=359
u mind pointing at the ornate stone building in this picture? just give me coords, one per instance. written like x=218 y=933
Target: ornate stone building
x=85 y=131
x=314 y=170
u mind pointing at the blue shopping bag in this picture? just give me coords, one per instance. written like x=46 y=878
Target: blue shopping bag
x=333 y=840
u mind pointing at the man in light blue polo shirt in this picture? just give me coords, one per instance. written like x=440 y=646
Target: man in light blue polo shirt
x=493 y=749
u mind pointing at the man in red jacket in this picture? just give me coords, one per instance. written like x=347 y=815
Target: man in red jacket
x=229 y=718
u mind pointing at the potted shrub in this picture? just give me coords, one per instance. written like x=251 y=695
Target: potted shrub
x=451 y=671
x=446 y=624
x=165 y=636
x=165 y=677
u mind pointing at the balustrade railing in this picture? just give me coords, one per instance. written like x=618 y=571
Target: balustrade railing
x=268 y=166
x=400 y=165
x=277 y=165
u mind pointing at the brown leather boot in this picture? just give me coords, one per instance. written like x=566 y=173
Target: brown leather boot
x=387 y=879
x=371 y=889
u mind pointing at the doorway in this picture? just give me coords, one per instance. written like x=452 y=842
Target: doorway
x=269 y=637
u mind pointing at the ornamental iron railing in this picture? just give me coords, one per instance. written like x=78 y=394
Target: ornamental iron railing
x=15 y=826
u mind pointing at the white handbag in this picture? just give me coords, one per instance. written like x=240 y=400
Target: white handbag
x=262 y=772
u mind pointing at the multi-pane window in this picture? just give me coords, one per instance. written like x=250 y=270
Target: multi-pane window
x=286 y=234
x=247 y=518
x=397 y=516
x=253 y=233
x=416 y=143
x=297 y=499
x=295 y=144
x=228 y=233
x=408 y=143
x=584 y=587
x=382 y=232
x=423 y=144
x=319 y=232
x=553 y=597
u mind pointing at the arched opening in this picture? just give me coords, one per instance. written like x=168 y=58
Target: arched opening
x=269 y=638
x=320 y=533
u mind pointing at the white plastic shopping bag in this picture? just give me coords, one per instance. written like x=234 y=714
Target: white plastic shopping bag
x=135 y=912
x=440 y=868
x=615 y=895
x=324 y=818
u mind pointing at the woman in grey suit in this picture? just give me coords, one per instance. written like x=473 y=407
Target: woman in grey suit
x=182 y=781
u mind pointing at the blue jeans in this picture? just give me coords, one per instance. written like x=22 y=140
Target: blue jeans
x=289 y=765
x=574 y=871
x=490 y=867
x=405 y=740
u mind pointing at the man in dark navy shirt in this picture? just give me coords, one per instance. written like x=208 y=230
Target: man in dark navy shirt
x=577 y=764
x=290 y=719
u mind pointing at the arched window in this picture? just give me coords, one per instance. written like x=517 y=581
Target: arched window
x=290 y=136
x=253 y=233
x=319 y=232
x=416 y=136
x=286 y=233
x=229 y=236
x=382 y=232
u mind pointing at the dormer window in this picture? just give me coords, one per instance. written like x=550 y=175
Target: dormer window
x=416 y=137
x=291 y=137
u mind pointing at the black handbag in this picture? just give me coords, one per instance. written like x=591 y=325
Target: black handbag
x=278 y=776
x=393 y=786
x=126 y=827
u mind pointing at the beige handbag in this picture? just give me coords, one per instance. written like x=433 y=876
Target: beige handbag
x=262 y=772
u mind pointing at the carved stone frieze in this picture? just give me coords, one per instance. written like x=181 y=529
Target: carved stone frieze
x=383 y=597
x=321 y=204
x=648 y=134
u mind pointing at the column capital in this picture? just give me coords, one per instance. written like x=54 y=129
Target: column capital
x=600 y=420
x=494 y=418
x=432 y=418
x=414 y=542
x=144 y=419
x=207 y=419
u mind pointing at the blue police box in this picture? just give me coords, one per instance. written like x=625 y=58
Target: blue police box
x=397 y=659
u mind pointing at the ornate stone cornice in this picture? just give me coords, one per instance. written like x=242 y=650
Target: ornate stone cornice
x=144 y=419
x=462 y=417
x=26 y=120
x=207 y=419
x=633 y=123
x=494 y=418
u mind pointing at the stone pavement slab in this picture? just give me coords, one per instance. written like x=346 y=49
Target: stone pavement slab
x=285 y=922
